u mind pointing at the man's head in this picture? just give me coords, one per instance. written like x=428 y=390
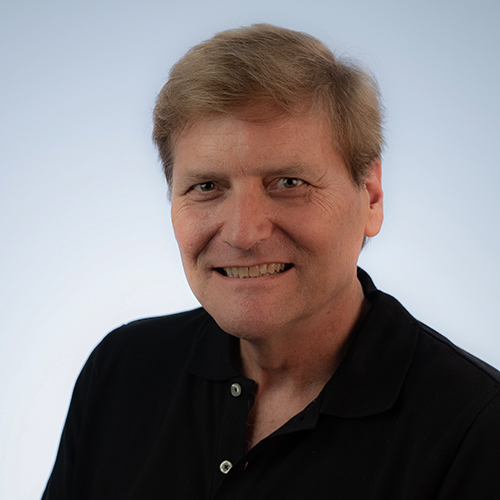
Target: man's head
x=271 y=147
x=285 y=71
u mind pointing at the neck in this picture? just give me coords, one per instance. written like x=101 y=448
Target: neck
x=303 y=362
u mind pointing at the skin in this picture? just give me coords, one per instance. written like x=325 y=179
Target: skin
x=248 y=192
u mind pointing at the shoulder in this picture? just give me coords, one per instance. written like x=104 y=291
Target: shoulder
x=438 y=379
x=448 y=397
x=146 y=343
x=436 y=356
x=160 y=329
x=430 y=354
x=447 y=389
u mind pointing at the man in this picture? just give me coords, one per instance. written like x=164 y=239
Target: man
x=298 y=378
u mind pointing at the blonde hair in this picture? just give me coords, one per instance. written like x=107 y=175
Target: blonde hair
x=278 y=67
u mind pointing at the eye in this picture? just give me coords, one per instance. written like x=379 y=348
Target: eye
x=204 y=186
x=289 y=182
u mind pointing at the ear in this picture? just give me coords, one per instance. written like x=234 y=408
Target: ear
x=375 y=210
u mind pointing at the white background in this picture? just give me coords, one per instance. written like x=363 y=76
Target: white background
x=85 y=235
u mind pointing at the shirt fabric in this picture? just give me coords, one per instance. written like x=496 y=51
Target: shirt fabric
x=159 y=412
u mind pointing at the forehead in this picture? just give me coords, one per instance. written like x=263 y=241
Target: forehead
x=255 y=137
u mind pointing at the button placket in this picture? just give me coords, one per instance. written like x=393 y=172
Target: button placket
x=230 y=446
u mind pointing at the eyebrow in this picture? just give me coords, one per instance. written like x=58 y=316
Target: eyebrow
x=197 y=176
x=292 y=170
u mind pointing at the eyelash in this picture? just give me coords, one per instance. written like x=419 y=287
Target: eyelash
x=198 y=187
x=296 y=182
x=208 y=186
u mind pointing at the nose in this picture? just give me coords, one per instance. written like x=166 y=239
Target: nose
x=246 y=220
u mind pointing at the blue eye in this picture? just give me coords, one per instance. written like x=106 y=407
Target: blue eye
x=205 y=186
x=289 y=182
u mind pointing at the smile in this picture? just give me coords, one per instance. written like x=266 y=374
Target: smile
x=253 y=271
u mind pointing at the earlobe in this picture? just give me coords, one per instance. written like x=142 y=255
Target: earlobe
x=373 y=186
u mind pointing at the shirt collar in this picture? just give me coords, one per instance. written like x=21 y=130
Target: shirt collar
x=368 y=380
x=215 y=353
x=370 y=377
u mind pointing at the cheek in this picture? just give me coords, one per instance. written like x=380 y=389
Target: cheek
x=334 y=229
x=192 y=230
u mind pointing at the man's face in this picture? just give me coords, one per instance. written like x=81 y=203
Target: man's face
x=269 y=223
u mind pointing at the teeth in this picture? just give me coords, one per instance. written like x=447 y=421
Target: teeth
x=254 y=271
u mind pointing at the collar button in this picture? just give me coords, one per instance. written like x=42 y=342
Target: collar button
x=225 y=466
x=235 y=390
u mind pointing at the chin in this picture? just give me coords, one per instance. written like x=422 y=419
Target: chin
x=249 y=328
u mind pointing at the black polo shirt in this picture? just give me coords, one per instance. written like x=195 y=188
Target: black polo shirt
x=160 y=407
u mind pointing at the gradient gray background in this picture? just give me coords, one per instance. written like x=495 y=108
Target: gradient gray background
x=85 y=234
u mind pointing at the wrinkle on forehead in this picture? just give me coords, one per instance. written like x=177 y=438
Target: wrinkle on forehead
x=228 y=140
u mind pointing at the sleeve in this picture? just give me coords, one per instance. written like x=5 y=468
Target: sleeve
x=475 y=469
x=60 y=484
